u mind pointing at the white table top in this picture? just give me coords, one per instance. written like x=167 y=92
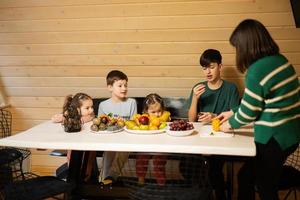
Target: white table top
x=49 y=135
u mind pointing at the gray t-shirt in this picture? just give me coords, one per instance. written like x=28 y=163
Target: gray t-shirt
x=125 y=109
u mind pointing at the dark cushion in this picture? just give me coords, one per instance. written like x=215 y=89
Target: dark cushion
x=176 y=105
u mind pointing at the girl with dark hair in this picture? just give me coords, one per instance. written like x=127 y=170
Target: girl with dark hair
x=77 y=110
x=153 y=105
x=272 y=101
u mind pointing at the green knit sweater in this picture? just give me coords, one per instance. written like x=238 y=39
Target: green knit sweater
x=272 y=100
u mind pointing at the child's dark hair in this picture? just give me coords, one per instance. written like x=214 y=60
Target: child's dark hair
x=152 y=99
x=115 y=75
x=71 y=111
x=210 y=56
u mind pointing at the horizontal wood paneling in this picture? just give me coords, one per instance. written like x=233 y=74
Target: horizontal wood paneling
x=36 y=102
x=101 y=71
x=24 y=124
x=139 y=9
x=99 y=82
x=37 y=3
x=44 y=170
x=154 y=22
x=119 y=36
x=161 y=48
x=132 y=60
x=52 y=48
x=47 y=160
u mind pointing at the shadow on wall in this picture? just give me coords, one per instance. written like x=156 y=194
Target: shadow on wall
x=3 y=101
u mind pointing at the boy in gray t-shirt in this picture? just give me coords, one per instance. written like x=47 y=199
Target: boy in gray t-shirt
x=124 y=109
x=120 y=106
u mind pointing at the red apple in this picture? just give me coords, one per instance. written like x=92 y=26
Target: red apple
x=144 y=120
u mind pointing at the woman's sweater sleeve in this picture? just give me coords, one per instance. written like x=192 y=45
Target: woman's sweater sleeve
x=252 y=103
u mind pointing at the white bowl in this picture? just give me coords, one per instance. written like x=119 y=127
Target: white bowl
x=180 y=133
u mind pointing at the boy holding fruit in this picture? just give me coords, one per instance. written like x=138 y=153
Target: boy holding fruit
x=208 y=99
x=119 y=105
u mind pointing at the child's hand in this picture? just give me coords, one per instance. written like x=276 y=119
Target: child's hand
x=199 y=90
x=58 y=118
x=206 y=117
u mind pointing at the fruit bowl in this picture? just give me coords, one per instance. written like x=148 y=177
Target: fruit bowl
x=180 y=133
x=107 y=131
x=180 y=128
x=144 y=132
x=107 y=124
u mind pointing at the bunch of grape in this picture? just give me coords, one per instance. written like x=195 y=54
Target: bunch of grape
x=181 y=125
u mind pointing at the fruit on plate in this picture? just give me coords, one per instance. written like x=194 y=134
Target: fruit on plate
x=152 y=127
x=130 y=124
x=181 y=125
x=165 y=117
x=144 y=120
x=136 y=117
x=144 y=127
x=96 y=121
x=107 y=123
x=163 y=125
x=215 y=124
x=148 y=122
x=94 y=127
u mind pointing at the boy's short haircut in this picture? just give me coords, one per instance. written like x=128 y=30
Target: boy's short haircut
x=115 y=75
x=210 y=56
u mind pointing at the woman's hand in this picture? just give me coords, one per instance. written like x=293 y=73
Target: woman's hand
x=206 y=117
x=225 y=127
x=224 y=116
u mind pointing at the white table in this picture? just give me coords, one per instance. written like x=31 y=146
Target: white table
x=49 y=135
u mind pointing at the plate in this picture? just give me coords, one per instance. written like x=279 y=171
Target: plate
x=144 y=132
x=105 y=131
x=180 y=133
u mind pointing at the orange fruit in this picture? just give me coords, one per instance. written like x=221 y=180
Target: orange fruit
x=215 y=124
x=155 y=121
x=165 y=117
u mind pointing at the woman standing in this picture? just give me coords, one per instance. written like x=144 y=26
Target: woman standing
x=272 y=101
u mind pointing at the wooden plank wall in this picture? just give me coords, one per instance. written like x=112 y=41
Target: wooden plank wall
x=52 y=48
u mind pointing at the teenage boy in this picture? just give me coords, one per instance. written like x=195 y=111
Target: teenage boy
x=120 y=106
x=208 y=99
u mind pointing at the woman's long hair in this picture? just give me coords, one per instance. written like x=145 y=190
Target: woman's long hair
x=71 y=112
x=252 y=42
